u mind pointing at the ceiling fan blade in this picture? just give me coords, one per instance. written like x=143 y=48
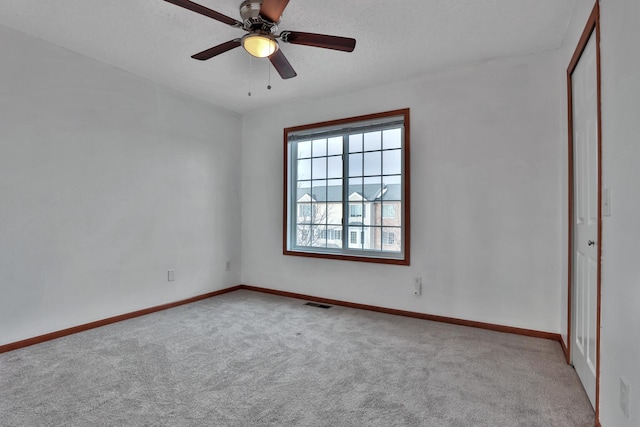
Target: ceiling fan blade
x=325 y=41
x=217 y=50
x=206 y=12
x=272 y=9
x=282 y=66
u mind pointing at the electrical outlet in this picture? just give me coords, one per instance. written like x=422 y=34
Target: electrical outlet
x=171 y=276
x=417 y=285
x=624 y=397
x=227 y=266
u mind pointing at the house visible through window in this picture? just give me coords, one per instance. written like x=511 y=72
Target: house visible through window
x=304 y=210
x=349 y=178
x=388 y=238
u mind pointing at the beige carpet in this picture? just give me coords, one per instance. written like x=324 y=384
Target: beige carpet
x=251 y=359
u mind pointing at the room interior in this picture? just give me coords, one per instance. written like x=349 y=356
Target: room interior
x=123 y=158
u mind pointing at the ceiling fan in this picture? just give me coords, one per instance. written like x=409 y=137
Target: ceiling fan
x=260 y=18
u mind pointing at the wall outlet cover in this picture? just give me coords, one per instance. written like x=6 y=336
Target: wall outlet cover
x=624 y=396
x=417 y=285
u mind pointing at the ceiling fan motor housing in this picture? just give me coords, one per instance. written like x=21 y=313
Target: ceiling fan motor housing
x=251 y=19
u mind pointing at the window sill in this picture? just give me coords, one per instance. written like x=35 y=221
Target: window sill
x=400 y=260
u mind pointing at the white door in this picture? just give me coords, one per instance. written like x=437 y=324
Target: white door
x=585 y=226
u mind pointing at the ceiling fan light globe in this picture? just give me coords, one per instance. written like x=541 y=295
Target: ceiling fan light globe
x=258 y=45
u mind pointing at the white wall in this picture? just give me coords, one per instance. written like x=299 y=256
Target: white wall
x=620 y=353
x=106 y=182
x=486 y=219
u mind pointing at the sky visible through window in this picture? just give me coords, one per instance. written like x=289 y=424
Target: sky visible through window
x=322 y=158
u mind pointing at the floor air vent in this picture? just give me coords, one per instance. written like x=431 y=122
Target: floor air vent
x=315 y=304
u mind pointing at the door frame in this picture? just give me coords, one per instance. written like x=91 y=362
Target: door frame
x=593 y=26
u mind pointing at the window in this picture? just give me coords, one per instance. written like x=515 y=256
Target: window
x=304 y=210
x=348 y=182
x=334 y=234
x=330 y=234
x=355 y=211
x=388 y=211
x=388 y=238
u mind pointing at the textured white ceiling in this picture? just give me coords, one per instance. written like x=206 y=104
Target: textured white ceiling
x=396 y=39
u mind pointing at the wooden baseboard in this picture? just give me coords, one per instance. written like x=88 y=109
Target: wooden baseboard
x=490 y=326
x=452 y=320
x=74 y=330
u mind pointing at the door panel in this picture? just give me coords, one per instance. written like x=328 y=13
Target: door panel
x=585 y=258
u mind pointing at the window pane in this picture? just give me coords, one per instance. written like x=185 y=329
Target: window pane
x=355 y=237
x=391 y=239
x=392 y=138
x=304 y=149
x=304 y=169
x=319 y=147
x=373 y=214
x=392 y=162
x=334 y=145
x=355 y=189
x=374 y=183
x=334 y=237
x=372 y=141
x=334 y=190
x=333 y=214
x=319 y=237
x=333 y=207
x=304 y=213
x=334 y=167
x=355 y=212
x=319 y=190
x=393 y=179
x=392 y=192
x=304 y=185
x=355 y=143
x=372 y=163
x=303 y=235
x=355 y=164
x=319 y=170
x=319 y=213
x=376 y=242
x=371 y=192
x=367 y=235
x=391 y=213
x=321 y=210
x=304 y=191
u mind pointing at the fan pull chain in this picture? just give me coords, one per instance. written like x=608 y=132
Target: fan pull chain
x=250 y=76
x=269 y=68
